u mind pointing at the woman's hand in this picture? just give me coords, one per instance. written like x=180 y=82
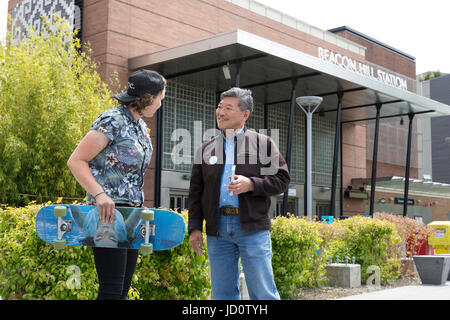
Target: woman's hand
x=105 y=207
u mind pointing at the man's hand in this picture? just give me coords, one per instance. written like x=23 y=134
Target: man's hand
x=240 y=184
x=196 y=241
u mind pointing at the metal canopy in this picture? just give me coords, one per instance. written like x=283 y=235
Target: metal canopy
x=416 y=186
x=268 y=68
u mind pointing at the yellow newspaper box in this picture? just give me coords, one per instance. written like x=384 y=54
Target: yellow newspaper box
x=440 y=236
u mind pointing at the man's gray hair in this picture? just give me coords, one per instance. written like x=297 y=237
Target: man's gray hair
x=244 y=96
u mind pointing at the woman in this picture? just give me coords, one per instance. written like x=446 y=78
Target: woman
x=109 y=163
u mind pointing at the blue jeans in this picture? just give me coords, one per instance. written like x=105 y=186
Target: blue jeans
x=255 y=251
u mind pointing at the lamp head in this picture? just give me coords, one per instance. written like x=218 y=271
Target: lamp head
x=309 y=102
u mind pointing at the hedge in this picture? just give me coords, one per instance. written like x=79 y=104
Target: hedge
x=370 y=242
x=32 y=269
x=296 y=262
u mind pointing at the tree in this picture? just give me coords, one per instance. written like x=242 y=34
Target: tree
x=50 y=93
x=429 y=75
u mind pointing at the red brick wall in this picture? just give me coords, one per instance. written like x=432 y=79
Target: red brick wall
x=384 y=57
x=353 y=163
x=389 y=170
x=120 y=30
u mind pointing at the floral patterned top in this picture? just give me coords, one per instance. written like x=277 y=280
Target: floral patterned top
x=119 y=168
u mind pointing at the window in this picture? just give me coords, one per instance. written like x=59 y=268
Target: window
x=322 y=143
x=185 y=108
x=291 y=206
x=179 y=202
x=323 y=209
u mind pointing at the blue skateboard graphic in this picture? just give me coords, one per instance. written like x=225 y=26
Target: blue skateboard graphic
x=138 y=228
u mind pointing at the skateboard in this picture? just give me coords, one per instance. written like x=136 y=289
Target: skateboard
x=138 y=228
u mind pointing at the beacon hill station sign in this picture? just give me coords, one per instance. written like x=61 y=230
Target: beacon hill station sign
x=364 y=69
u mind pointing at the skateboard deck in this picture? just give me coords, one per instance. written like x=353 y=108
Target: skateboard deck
x=138 y=228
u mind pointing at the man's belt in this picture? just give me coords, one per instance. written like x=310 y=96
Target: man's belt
x=229 y=211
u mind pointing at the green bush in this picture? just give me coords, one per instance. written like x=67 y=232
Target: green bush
x=412 y=233
x=296 y=260
x=32 y=269
x=370 y=242
x=173 y=274
x=50 y=93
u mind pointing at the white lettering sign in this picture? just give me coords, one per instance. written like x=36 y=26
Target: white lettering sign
x=366 y=70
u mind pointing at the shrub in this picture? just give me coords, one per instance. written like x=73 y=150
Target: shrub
x=50 y=93
x=173 y=274
x=296 y=262
x=32 y=269
x=412 y=233
x=370 y=242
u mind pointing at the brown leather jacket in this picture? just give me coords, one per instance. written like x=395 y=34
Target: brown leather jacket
x=256 y=157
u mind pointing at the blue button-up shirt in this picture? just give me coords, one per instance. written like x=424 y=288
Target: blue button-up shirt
x=225 y=198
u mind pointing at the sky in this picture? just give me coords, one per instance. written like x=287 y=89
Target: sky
x=3 y=18
x=417 y=27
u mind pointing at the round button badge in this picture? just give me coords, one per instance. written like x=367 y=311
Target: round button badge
x=213 y=160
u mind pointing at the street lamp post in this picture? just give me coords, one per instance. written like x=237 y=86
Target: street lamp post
x=309 y=105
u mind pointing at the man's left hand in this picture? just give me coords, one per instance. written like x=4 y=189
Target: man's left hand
x=240 y=184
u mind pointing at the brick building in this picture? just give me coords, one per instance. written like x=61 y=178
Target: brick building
x=195 y=42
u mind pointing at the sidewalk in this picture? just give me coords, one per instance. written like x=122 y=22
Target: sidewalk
x=416 y=292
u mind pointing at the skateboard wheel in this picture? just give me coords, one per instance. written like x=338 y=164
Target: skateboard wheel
x=148 y=215
x=59 y=244
x=146 y=248
x=59 y=211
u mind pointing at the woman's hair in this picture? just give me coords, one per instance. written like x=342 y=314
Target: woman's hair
x=141 y=103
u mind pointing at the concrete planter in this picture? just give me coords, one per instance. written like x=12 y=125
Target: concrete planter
x=344 y=275
x=446 y=255
x=433 y=269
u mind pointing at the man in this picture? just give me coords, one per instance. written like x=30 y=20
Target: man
x=236 y=206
